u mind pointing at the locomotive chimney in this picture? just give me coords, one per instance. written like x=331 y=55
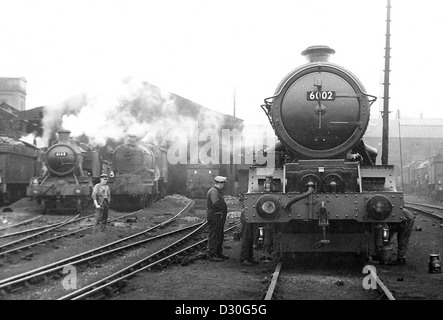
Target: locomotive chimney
x=63 y=136
x=318 y=53
x=131 y=139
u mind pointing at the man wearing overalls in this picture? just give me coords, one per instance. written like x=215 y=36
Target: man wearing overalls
x=101 y=195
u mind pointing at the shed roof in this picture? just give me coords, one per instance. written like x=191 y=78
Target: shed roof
x=407 y=128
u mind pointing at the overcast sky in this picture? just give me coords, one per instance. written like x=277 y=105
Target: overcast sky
x=203 y=49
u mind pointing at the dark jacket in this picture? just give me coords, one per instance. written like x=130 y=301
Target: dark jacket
x=215 y=202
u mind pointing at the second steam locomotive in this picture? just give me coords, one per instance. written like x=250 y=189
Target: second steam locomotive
x=139 y=174
x=325 y=193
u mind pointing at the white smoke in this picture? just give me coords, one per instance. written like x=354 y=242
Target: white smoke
x=32 y=138
x=131 y=107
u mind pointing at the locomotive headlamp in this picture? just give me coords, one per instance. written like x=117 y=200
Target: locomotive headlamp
x=333 y=183
x=78 y=191
x=378 y=207
x=310 y=181
x=268 y=207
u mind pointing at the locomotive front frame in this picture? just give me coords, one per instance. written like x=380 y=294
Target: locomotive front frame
x=316 y=221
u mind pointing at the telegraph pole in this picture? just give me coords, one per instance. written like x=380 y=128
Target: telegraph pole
x=385 y=136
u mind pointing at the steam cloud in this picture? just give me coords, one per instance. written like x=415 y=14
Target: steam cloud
x=131 y=107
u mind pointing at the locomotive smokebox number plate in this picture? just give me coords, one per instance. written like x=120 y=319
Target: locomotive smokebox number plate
x=61 y=154
x=320 y=95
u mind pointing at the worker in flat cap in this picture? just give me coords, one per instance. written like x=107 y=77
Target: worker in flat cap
x=101 y=195
x=217 y=211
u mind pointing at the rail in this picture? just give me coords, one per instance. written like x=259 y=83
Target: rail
x=273 y=284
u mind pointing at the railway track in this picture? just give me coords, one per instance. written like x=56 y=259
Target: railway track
x=43 y=229
x=111 y=284
x=53 y=238
x=385 y=292
x=21 y=223
x=271 y=291
x=26 y=231
x=436 y=212
x=49 y=229
x=55 y=269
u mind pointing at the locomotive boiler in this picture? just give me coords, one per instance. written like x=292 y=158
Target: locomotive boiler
x=66 y=183
x=139 y=174
x=324 y=193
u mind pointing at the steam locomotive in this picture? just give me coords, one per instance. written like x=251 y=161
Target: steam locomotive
x=324 y=193
x=138 y=174
x=425 y=177
x=67 y=179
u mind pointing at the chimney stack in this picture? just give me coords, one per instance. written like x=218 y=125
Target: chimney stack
x=318 y=53
x=64 y=136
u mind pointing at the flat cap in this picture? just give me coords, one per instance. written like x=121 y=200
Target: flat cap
x=220 y=179
x=104 y=175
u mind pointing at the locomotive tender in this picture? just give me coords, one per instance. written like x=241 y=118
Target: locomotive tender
x=325 y=192
x=68 y=180
x=139 y=174
x=19 y=161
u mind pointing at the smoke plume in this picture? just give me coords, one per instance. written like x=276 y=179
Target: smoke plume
x=131 y=107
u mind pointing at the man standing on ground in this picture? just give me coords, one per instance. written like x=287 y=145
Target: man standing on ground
x=217 y=211
x=101 y=195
